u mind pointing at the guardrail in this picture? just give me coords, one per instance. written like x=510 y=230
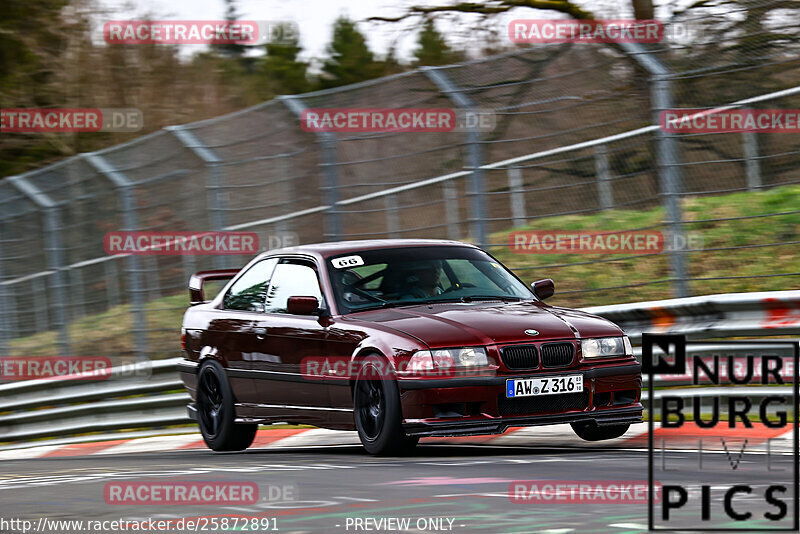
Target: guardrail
x=141 y=395
x=771 y=313
x=150 y=394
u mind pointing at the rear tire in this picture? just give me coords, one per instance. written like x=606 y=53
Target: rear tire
x=592 y=432
x=216 y=412
x=377 y=411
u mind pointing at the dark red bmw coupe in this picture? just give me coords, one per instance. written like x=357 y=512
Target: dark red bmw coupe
x=398 y=339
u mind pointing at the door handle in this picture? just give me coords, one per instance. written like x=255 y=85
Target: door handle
x=261 y=333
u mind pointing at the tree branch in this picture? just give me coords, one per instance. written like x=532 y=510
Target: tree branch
x=493 y=8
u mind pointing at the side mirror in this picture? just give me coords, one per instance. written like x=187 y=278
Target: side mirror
x=543 y=288
x=302 y=305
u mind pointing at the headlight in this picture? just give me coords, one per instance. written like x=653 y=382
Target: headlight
x=420 y=361
x=448 y=358
x=606 y=347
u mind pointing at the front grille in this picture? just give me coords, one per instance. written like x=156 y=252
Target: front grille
x=519 y=357
x=557 y=354
x=543 y=404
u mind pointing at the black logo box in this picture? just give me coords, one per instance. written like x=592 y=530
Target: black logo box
x=667 y=341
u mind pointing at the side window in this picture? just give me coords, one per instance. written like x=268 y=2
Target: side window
x=249 y=292
x=292 y=280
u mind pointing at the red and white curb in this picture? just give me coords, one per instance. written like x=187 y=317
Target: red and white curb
x=759 y=439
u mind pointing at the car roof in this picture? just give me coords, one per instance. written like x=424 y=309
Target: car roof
x=342 y=247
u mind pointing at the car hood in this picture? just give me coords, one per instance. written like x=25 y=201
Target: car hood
x=457 y=324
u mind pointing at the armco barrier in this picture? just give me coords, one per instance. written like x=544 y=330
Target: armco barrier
x=770 y=313
x=149 y=394
x=141 y=395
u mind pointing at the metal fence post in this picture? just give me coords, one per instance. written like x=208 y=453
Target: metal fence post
x=112 y=283
x=75 y=277
x=12 y=318
x=40 y=306
x=517 y=199
x=53 y=226
x=282 y=228
x=330 y=185
x=130 y=220
x=450 y=194
x=55 y=258
x=189 y=264
x=604 y=193
x=214 y=182
x=392 y=217
x=152 y=279
x=668 y=161
x=752 y=165
x=475 y=152
x=6 y=317
x=5 y=310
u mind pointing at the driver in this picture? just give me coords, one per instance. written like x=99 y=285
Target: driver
x=422 y=280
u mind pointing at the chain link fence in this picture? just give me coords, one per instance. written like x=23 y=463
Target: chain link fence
x=576 y=146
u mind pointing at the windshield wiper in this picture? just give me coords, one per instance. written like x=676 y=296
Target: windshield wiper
x=504 y=298
x=475 y=298
x=379 y=306
x=465 y=299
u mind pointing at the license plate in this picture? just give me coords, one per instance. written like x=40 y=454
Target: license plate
x=551 y=385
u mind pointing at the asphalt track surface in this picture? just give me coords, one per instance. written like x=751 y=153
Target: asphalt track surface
x=325 y=489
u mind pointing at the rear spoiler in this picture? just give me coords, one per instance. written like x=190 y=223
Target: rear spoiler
x=197 y=281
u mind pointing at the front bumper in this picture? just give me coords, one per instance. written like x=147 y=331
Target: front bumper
x=460 y=406
x=627 y=415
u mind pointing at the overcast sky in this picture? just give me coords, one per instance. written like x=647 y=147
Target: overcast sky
x=315 y=18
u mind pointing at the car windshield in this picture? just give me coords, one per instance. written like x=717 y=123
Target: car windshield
x=416 y=275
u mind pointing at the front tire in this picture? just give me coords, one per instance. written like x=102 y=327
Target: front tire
x=216 y=412
x=377 y=411
x=592 y=432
